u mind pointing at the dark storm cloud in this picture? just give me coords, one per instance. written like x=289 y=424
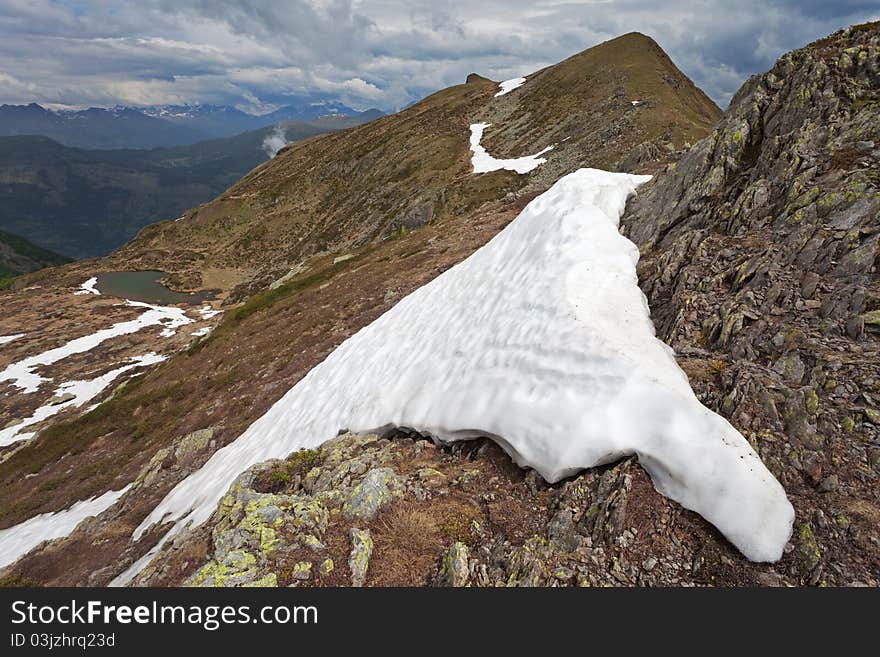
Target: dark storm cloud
x=369 y=52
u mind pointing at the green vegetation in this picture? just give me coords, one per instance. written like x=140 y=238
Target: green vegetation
x=270 y=297
x=279 y=476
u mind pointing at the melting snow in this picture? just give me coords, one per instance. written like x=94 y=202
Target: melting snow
x=208 y=312
x=542 y=340
x=6 y=339
x=131 y=572
x=22 y=374
x=89 y=287
x=82 y=391
x=509 y=85
x=202 y=331
x=17 y=541
x=484 y=163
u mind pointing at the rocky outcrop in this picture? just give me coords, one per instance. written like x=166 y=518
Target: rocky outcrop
x=463 y=515
x=758 y=261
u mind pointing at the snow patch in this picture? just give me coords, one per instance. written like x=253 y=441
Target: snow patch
x=20 y=539
x=89 y=287
x=123 y=578
x=509 y=85
x=82 y=391
x=6 y=339
x=484 y=163
x=542 y=340
x=23 y=376
x=208 y=312
x=202 y=331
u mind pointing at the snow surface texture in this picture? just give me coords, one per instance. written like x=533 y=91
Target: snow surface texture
x=17 y=541
x=6 y=339
x=509 y=85
x=89 y=287
x=82 y=391
x=484 y=163
x=23 y=376
x=542 y=340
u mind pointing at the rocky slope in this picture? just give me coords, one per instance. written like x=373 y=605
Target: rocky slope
x=724 y=269
x=761 y=273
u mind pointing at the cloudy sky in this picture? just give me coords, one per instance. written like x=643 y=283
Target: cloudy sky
x=370 y=53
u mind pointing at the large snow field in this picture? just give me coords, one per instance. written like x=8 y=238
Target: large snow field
x=542 y=340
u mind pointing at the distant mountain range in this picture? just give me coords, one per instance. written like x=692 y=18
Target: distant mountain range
x=83 y=203
x=161 y=126
x=225 y=121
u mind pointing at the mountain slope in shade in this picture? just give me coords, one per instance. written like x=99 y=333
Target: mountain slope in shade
x=85 y=203
x=18 y=256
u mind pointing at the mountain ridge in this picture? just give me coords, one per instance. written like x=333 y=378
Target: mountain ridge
x=337 y=229
x=124 y=127
x=320 y=240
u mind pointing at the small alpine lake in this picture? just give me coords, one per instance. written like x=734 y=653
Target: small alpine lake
x=145 y=286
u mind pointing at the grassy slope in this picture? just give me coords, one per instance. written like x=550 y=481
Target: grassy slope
x=347 y=189
x=84 y=203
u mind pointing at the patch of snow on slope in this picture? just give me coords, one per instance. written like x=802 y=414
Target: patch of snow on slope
x=123 y=578
x=6 y=339
x=509 y=85
x=484 y=163
x=207 y=312
x=20 y=539
x=82 y=391
x=89 y=287
x=22 y=374
x=542 y=340
x=201 y=332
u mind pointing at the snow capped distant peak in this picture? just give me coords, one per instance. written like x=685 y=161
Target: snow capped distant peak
x=484 y=163
x=509 y=85
x=542 y=340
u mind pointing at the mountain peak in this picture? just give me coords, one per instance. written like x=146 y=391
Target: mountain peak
x=476 y=78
